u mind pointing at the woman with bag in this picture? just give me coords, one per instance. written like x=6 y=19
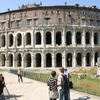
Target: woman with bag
x=52 y=83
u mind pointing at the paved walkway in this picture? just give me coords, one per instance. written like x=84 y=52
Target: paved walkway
x=34 y=90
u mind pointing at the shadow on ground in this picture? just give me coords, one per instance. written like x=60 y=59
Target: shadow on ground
x=83 y=98
x=12 y=97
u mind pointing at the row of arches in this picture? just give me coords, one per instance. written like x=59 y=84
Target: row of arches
x=48 y=60
x=48 y=38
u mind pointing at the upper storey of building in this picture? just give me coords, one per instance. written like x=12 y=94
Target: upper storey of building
x=33 y=15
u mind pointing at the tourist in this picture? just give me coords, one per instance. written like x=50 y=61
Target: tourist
x=66 y=72
x=2 y=84
x=52 y=83
x=68 y=75
x=63 y=84
x=19 y=73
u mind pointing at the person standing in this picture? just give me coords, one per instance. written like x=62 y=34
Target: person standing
x=19 y=73
x=52 y=83
x=2 y=84
x=68 y=75
x=63 y=84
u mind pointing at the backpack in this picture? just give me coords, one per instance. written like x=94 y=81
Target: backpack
x=65 y=84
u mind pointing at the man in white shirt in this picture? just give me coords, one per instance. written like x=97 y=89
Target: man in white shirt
x=62 y=91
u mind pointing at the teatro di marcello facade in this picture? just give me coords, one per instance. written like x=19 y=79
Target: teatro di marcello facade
x=36 y=36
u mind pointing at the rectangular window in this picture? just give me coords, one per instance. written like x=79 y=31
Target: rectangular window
x=47 y=21
x=12 y=24
x=21 y=14
x=71 y=21
x=18 y=23
x=91 y=22
x=83 y=21
x=2 y=25
x=59 y=21
x=98 y=22
x=35 y=22
x=13 y=15
x=29 y=23
x=52 y=12
x=25 y=14
x=35 y=13
x=58 y=12
x=46 y=12
x=4 y=16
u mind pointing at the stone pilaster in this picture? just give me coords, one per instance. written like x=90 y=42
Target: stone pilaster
x=83 y=38
x=92 y=38
x=53 y=38
x=84 y=60
x=64 y=37
x=74 y=38
x=43 y=38
x=93 y=59
x=53 y=60
x=74 y=59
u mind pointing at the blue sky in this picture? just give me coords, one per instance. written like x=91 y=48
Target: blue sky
x=13 y=4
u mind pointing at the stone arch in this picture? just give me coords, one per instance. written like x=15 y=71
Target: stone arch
x=58 y=38
x=38 y=60
x=19 y=60
x=3 y=41
x=88 y=59
x=38 y=38
x=88 y=38
x=10 y=59
x=78 y=38
x=28 y=38
x=96 y=38
x=19 y=39
x=48 y=60
x=68 y=38
x=69 y=60
x=79 y=59
x=58 y=60
x=48 y=38
x=3 y=59
x=10 y=40
x=28 y=60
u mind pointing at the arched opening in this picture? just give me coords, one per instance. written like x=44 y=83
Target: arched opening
x=68 y=38
x=96 y=38
x=78 y=38
x=28 y=39
x=19 y=60
x=58 y=38
x=38 y=38
x=28 y=60
x=10 y=40
x=10 y=60
x=3 y=41
x=69 y=60
x=48 y=60
x=88 y=38
x=79 y=59
x=3 y=60
x=96 y=57
x=19 y=39
x=38 y=60
x=88 y=59
x=48 y=38
x=58 y=60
